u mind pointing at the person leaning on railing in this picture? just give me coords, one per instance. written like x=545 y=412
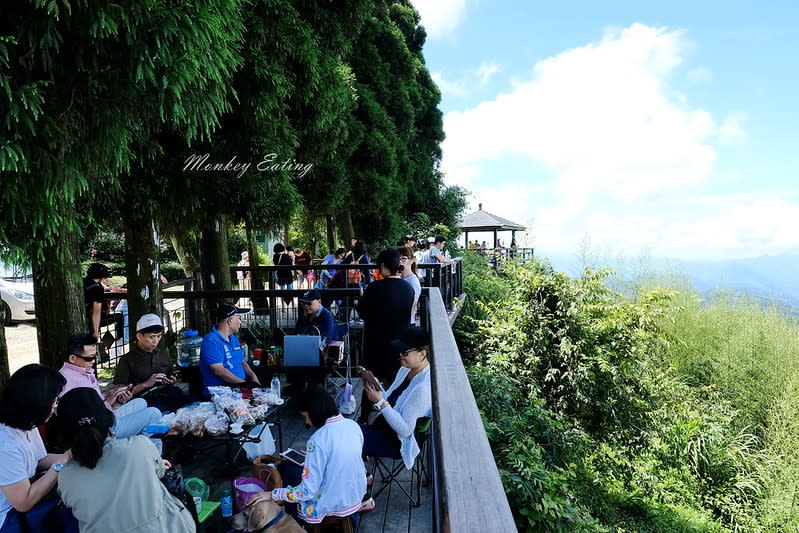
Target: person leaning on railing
x=407 y=400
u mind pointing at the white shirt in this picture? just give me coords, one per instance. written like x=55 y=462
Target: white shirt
x=21 y=452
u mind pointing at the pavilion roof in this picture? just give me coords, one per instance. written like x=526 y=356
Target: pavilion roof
x=484 y=221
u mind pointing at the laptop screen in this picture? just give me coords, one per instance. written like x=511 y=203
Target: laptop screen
x=301 y=350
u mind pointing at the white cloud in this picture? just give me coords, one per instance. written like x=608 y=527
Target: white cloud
x=624 y=157
x=699 y=75
x=486 y=71
x=440 y=17
x=451 y=88
x=731 y=130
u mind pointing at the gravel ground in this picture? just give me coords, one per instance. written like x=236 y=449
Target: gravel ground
x=23 y=347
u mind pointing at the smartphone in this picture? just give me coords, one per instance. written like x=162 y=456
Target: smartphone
x=298 y=458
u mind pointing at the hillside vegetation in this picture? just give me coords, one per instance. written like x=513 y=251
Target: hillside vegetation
x=651 y=412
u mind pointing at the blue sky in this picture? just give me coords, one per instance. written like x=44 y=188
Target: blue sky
x=665 y=128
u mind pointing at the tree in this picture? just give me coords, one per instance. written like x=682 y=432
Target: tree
x=81 y=86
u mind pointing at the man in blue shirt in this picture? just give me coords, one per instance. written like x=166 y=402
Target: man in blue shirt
x=316 y=319
x=222 y=360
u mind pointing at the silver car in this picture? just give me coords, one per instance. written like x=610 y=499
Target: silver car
x=17 y=297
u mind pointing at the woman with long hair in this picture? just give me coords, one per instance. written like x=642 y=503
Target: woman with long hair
x=385 y=307
x=29 y=399
x=411 y=275
x=114 y=484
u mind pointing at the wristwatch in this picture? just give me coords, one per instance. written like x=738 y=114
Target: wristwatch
x=57 y=467
x=379 y=404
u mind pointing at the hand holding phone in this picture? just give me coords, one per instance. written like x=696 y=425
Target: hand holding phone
x=298 y=458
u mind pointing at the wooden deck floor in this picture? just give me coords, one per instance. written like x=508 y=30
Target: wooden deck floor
x=392 y=514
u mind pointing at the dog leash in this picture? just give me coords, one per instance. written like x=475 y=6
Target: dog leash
x=271 y=523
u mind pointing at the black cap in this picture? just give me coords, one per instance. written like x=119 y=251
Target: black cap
x=440 y=238
x=97 y=271
x=412 y=337
x=227 y=310
x=310 y=296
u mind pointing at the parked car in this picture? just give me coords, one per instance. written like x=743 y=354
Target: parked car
x=16 y=292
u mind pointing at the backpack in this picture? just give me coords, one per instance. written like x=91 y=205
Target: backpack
x=354 y=276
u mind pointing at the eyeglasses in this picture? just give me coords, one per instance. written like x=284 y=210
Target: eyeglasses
x=306 y=303
x=408 y=352
x=403 y=258
x=87 y=359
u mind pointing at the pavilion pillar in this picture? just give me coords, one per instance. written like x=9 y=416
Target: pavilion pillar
x=495 y=239
x=467 y=240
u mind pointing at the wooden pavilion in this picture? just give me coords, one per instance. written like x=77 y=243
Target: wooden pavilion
x=484 y=221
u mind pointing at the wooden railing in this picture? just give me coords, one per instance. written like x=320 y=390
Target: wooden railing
x=467 y=491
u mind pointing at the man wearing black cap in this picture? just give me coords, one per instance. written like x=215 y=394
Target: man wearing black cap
x=316 y=319
x=222 y=360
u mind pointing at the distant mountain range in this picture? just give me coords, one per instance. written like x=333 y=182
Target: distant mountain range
x=767 y=277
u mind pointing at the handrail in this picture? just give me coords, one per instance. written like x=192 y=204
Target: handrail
x=465 y=476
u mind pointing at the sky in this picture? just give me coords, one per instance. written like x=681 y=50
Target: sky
x=666 y=128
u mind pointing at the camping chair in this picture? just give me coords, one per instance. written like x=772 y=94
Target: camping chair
x=341 y=369
x=420 y=473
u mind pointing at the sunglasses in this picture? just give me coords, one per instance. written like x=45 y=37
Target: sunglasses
x=87 y=359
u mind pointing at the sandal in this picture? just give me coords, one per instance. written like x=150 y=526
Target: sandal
x=367 y=505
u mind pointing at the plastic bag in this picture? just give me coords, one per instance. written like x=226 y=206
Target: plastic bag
x=265 y=447
x=245 y=488
x=216 y=424
x=197 y=488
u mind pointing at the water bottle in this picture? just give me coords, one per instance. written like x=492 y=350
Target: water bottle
x=226 y=504
x=276 y=387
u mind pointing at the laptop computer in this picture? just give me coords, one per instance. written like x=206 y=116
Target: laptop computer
x=301 y=350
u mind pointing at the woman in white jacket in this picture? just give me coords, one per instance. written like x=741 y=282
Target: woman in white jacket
x=407 y=400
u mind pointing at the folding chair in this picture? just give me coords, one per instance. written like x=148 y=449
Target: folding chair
x=341 y=370
x=420 y=473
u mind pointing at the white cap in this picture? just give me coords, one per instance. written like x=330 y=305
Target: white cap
x=244 y=254
x=149 y=320
x=431 y=239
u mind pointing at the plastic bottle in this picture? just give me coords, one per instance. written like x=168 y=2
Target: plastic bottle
x=226 y=504
x=189 y=348
x=276 y=387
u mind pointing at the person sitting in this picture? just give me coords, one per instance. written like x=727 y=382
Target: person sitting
x=222 y=360
x=98 y=310
x=29 y=399
x=148 y=368
x=407 y=400
x=332 y=480
x=316 y=319
x=113 y=484
x=131 y=416
x=333 y=258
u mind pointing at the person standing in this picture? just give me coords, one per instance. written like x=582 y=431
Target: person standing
x=302 y=258
x=411 y=275
x=385 y=307
x=436 y=253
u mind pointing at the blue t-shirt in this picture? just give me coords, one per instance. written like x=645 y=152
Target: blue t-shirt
x=215 y=349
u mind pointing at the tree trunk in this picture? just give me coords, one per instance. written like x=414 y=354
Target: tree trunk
x=257 y=283
x=186 y=250
x=348 y=230
x=214 y=265
x=142 y=269
x=331 y=234
x=4 y=364
x=58 y=296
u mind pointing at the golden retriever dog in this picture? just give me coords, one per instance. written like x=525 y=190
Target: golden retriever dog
x=255 y=517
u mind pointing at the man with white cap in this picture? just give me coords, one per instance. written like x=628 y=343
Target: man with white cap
x=148 y=368
x=222 y=361
x=241 y=275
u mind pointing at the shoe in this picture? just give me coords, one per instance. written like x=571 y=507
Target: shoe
x=367 y=505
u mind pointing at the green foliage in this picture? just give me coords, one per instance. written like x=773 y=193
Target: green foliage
x=622 y=413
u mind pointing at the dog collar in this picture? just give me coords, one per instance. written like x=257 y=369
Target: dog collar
x=271 y=523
